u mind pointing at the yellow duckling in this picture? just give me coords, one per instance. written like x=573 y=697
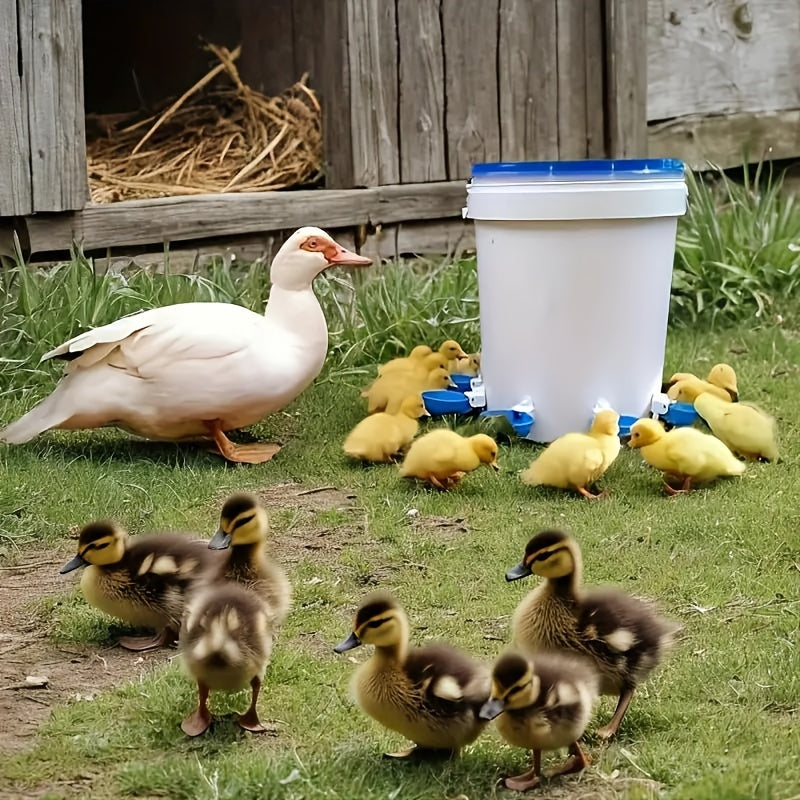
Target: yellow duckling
x=226 y=643
x=622 y=636
x=382 y=437
x=243 y=527
x=452 y=351
x=142 y=581
x=744 y=428
x=442 y=457
x=431 y=695
x=542 y=703
x=577 y=460
x=468 y=365
x=721 y=382
x=387 y=393
x=416 y=356
x=683 y=454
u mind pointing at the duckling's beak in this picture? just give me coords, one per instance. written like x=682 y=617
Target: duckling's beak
x=350 y=643
x=521 y=570
x=220 y=541
x=78 y=561
x=495 y=466
x=492 y=708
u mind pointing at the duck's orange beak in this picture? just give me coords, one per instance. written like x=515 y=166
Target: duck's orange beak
x=336 y=254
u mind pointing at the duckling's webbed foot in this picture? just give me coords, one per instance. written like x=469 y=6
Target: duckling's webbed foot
x=199 y=720
x=253 y=453
x=416 y=753
x=577 y=763
x=589 y=496
x=139 y=644
x=607 y=731
x=685 y=488
x=528 y=780
x=249 y=720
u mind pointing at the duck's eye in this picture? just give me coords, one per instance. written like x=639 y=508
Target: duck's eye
x=243 y=521
x=375 y=623
x=312 y=244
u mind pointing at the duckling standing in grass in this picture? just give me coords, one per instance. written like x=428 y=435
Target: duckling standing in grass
x=416 y=356
x=382 y=437
x=745 y=429
x=452 y=351
x=243 y=527
x=542 y=702
x=683 y=454
x=721 y=382
x=431 y=695
x=577 y=460
x=442 y=457
x=226 y=642
x=622 y=636
x=387 y=393
x=142 y=581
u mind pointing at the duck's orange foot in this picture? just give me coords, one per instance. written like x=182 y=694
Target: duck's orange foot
x=139 y=644
x=254 y=453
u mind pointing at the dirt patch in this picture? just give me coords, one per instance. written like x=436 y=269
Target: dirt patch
x=447 y=528
x=72 y=671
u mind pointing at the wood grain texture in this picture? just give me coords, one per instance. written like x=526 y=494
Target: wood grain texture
x=722 y=57
x=450 y=238
x=626 y=78
x=727 y=140
x=372 y=37
x=528 y=80
x=594 y=50
x=469 y=28
x=15 y=175
x=421 y=99
x=53 y=71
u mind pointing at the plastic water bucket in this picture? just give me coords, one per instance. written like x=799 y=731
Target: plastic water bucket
x=574 y=273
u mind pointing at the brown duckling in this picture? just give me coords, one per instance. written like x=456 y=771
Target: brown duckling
x=142 y=581
x=431 y=694
x=622 y=636
x=542 y=702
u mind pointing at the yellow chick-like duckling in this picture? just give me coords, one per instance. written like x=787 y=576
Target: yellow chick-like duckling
x=683 y=454
x=442 y=457
x=577 y=460
x=382 y=437
x=388 y=392
x=415 y=357
x=452 y=351
x=721 y=382
x=744 y=428
x=468 y=365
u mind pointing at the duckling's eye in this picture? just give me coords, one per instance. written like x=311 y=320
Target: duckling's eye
x=97 y=546
x=376 y=623
x=243 y=521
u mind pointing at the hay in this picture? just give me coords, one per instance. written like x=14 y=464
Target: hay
x=224 y=138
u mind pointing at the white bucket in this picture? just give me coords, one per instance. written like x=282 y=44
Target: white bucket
x=574 y=272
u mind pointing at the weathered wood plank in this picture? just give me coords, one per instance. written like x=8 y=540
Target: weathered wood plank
x=528 y=80
x=135 y=222
x=727 y=140
x=421 y=99
x=595 y=95
x=267 y=39
x=626 y=78
x=372 y=36
x=570 y=42
x=717 y=58
x=15 y=175
x=470 y=55
x=442 y=237
x=54 y=81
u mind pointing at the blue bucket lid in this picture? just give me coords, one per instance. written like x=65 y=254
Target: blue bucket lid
x=601 y=169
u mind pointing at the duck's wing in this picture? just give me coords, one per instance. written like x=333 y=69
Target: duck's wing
x=447 y=675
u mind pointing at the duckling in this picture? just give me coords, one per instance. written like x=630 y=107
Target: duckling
x=387 y=393
x=622 y=636
x=452 y=351
x=468 y=365
x=431 y=695
x=442 y=457
x=577 y=460
x=721 y=382
x=226 y=643
x=382 y=436
x=243 y=527
x=416 y=356
x=543 y=702
x=685 y=454
x=745 y=429
x=142 y=581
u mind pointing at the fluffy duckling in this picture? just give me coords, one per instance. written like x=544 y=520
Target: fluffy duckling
x=382 y=437
x=142 y=581
x=226 y=644
x=431 y=695
x=468 y=365
x=243 y=527
x=745 y=429
x=387 y=393
x=416 y=356
x=721 y=382
x=543 y=703
x=452 y=351
x=622 y=636
x=577 y=460
x=684 y=454
x=442 y=457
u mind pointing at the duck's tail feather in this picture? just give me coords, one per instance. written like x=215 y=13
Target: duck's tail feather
x=47 y=414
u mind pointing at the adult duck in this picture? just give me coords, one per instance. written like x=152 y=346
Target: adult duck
x=198 y=369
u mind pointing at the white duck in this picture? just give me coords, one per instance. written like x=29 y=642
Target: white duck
x=198 y=369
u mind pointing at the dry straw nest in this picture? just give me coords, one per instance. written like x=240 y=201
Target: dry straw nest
x=218 y=136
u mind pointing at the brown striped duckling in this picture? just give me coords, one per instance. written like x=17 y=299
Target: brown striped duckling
x=622 y=636
x=431 y=694
x=243 y=528
x=142 y=581
x=226 y=643
x=542 y=702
